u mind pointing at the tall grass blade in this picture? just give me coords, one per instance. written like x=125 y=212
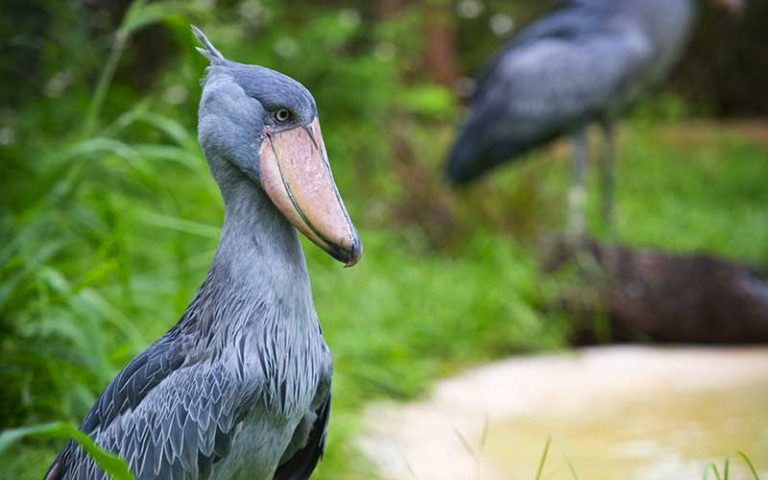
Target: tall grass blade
x=139 y=15
x=543 y=460
x=158 y=12
x=408 y=465
x=712 y=467
x=182 y=225
x=108 y=72
x=574 y=474
x=749 y=463
x=110 y=463
x=170 y=127
x=484 y=434
x=465 y=444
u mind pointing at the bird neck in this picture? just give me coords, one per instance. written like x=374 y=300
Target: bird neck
x=664 y=19
x=257 y=243
x=259 y=272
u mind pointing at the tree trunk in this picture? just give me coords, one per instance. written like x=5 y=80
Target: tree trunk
x=440 y=56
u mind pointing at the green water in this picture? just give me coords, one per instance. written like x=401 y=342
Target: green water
x=661 y=435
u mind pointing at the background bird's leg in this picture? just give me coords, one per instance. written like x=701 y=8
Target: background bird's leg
x=577 y=195
x=608 y=178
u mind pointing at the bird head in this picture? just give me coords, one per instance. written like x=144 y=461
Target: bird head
x=265 y=124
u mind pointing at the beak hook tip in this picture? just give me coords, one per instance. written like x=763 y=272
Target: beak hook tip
x=355 y=252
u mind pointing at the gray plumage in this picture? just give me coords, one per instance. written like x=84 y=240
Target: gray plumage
x=584 y=62
x=240 y=387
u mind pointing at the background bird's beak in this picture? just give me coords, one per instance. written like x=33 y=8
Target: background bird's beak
x=297 y=178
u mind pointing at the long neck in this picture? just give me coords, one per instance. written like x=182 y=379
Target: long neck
x=259 y=273
x=258 y=246
x=667 y=21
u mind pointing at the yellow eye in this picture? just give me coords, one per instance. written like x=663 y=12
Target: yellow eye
x=281 y=115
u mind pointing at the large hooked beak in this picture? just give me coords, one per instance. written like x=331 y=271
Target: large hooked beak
x=297 y=178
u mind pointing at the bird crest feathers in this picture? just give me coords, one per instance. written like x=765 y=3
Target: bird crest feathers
x=209 y=51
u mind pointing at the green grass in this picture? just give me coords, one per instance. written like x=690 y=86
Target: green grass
x=672 y=194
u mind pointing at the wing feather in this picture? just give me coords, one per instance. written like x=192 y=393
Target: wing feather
x=161 y=430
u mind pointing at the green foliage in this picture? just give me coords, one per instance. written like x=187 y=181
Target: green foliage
x=429 y=101
x=66 y=248
x=112 y=464
x=667 y=107
x=405 y=315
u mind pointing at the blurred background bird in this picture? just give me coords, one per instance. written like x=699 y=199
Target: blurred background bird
x=583 y=63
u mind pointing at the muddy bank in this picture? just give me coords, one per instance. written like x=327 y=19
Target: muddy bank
x=616 y=412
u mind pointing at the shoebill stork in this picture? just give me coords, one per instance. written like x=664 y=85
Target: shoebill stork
x=240 y=387
x=584 y=63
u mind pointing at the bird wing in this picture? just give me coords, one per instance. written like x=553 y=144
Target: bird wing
x=308 y=442
x=566 y=22
x=565 y=70
x=301 y=463
x=160 y=429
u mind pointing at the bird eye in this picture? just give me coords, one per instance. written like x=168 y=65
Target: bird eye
x=282 y=115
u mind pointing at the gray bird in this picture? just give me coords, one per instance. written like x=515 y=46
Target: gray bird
x=585 y=62
x=240 y=387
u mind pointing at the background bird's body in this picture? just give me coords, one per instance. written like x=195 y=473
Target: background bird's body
x=584 y=62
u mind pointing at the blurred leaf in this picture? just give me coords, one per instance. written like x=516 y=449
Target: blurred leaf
x=112 y=464
x=181 y=225
x=430 y=100
x=142 y=14
x=172 y=128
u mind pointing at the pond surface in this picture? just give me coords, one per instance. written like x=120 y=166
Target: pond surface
x=660 y=436
x=613 y=413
